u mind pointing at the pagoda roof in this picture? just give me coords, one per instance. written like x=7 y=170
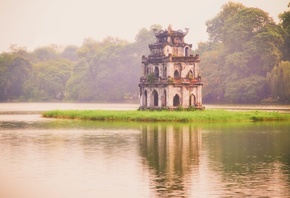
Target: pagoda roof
x=170 y=32
x=162 y=45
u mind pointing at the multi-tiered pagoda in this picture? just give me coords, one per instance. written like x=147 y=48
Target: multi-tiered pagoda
x=170 y=74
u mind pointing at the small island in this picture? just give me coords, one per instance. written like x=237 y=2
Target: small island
x=185 y=115
x=170 y=90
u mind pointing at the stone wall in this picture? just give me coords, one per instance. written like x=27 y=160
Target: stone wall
x=188 y=96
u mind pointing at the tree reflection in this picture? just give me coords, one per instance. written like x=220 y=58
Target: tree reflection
x=253 y=159
x=171 y=152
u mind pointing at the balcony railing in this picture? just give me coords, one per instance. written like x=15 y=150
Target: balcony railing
x=143 y=80
x=158 y=58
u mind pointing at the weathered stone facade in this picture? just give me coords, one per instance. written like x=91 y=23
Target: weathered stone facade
x=170 y=74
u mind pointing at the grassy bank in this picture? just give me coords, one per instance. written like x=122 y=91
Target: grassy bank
x=160 y=116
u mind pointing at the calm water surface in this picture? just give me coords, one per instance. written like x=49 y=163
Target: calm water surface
x=78 y=159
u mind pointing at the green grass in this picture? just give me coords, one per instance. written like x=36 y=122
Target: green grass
x=168 y=116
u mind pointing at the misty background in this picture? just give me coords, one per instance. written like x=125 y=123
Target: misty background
x=90 y=51
x=35 y=23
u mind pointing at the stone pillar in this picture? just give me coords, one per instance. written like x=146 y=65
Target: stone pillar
x=196 y=70
x=169 y=96
x=141 y=97
x=199 y=96
x=159 y=97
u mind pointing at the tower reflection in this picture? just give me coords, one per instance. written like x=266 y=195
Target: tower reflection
x=172 y=153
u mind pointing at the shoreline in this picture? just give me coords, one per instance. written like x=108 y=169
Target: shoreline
x=215 y=115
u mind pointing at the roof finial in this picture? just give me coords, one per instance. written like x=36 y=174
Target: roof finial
x=186 y=29
x=169 y=28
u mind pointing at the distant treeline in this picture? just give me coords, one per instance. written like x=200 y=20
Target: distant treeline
x=245 y=60
x=97 y=71
x=246 y=57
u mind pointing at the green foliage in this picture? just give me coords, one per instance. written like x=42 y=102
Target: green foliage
x=105 y=75
x=77 y=87
x=14 y=71
x=45 y=53
x=247 y=90
x=173 y=116
x=285 y=24
x=244 y=45
x=239 y=64
x=279 y=82
x=48 y=80
x=70 y=53
x=151 y=78
x=107 y=70
x=215 y=26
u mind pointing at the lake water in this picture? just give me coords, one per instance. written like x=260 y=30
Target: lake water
x=86 y=159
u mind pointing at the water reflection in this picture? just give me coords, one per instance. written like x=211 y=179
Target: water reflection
x=130 y=159
x=252 y=159
x=171 y=152
x=217 y=160
x=74 y=162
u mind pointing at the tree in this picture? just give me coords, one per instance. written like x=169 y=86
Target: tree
x=78 y=87
x=88 y=49
x=109 y=70
x=48 y=80
x=14 y=71
x=70 y=53
x=143 y=38
x=279 y=82
x=212 y=72
x=248 y=43
x=215 y=26
x=285 y=24
x=45 y=54
x=98 y=71
x=246 y=90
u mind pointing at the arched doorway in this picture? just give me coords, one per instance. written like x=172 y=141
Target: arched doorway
x=192 y=100
x=176 y=100
x=164 y=99
x=156 y=71
x=155 y=98
x=176 y=75
x=145 y=98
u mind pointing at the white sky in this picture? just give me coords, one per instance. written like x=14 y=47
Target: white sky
x=35 y=23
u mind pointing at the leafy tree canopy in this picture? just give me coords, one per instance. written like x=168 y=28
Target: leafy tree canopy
x=240 y=63
x=285 y=24
x=244 y=44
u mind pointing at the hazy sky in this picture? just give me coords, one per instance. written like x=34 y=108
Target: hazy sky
x=35 y=23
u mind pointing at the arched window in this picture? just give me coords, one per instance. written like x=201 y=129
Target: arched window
x=147 y=71
x=190 y=74
x=176 y=75
x=176 y=100
x=186 y=51
x=156 y=71
x=155 y=98
x=191 y=100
